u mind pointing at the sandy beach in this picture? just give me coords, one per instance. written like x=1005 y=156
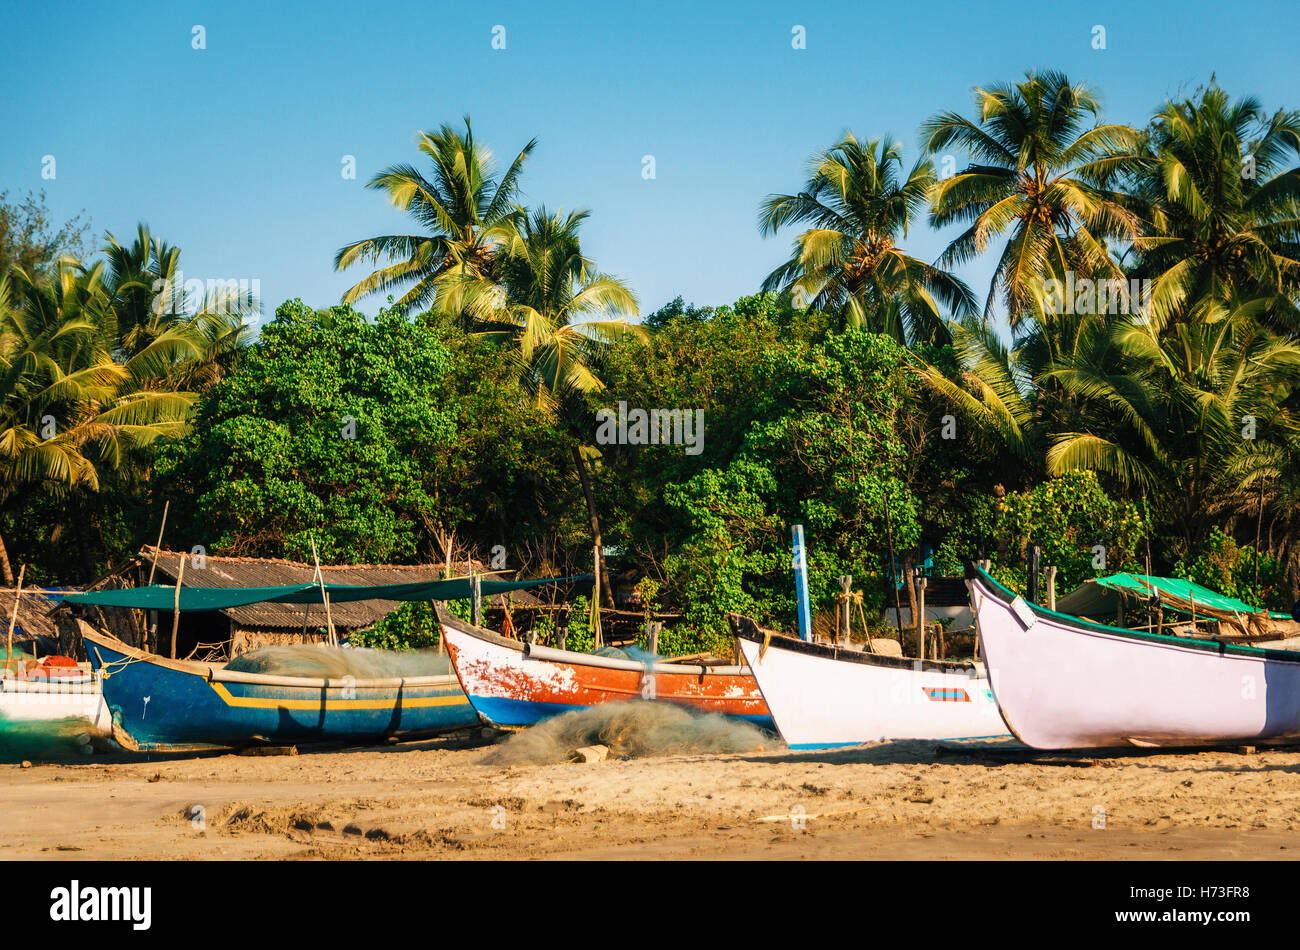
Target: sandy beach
x=438 y=799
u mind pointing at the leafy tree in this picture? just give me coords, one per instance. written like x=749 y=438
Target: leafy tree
x=30 y=241
x=378 y=439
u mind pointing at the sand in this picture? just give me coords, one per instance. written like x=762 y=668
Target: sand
x=437 y=799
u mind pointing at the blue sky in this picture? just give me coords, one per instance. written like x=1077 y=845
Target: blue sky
x=234 y=152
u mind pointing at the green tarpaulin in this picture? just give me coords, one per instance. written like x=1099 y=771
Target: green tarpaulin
x=223 y=598
x=1098 y=597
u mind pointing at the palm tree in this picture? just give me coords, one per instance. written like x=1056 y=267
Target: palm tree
x=155 y=320
x=68 y=408
x=555 y=311
x=1040 y=173
x=1178 y=414
x=1223 y=205
x=857 y=206
x=459 y=207
x=548 y=302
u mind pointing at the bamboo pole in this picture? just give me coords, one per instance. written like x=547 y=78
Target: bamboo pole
x=161 y=528
x=324 y=595
x=151 y=634
x=13 y=617
x=842 y=620
x=176 y=605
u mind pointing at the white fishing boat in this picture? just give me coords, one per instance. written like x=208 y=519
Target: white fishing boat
x=49 y=693
x=822 y=696
x=1066 y=683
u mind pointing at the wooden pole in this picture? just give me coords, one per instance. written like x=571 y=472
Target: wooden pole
x=476 y=600
x=1031 y=591
x=161 y=528
x=842 y=634
x=176 y=605
x=13 y=617
x=1049 y=573
x=151 y=636
x=324 y=596
x=652 y=636
x=1259 y=524
x=597 y=635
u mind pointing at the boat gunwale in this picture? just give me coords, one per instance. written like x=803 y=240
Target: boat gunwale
x=1006 y=596
x=756 y=634
x=211 y=673
x=544 y=654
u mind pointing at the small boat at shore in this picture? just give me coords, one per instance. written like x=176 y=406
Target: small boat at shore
x=162 y=704
x=1063 y=682
x=511 y=683
x=54 y=689
x=822 y=696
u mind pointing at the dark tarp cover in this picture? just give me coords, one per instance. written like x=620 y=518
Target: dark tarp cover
x=223 y=598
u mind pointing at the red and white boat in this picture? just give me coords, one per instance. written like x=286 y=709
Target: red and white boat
x=510 y=683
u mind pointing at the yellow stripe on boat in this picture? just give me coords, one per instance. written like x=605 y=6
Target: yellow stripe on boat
x=253 y=702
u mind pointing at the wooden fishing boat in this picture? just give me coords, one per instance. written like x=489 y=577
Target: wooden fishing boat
x=1066 y=683
x=161 y=704
x=822 y=696
x=48 y=692
x=511 y=683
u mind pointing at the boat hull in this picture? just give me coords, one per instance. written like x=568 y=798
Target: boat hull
x=512 y=685
x=160 y=704
x=53 y=699
x=1065 y=683
x=822 y=698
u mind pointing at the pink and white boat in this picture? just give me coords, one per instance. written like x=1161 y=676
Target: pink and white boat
x=1067 y=683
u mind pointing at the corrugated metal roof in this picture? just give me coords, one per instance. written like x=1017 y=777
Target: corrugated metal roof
x=271 y=572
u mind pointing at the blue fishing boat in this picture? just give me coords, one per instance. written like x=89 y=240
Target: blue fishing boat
x=162 y=704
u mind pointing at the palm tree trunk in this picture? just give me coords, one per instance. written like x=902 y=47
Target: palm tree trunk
x=606 y=590
x=6 y=569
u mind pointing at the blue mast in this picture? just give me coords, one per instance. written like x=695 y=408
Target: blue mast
x=800 y=562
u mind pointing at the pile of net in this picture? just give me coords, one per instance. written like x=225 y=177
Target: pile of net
x=336 y=662
x=629 y=730
x=630 y=652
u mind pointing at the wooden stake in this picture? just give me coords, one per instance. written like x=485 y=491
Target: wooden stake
x=842 y=634
x=176 y=605
x=324 y=596
x=1050 y=574
x=13 y=618
x=161 y=528
x=476 y=600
